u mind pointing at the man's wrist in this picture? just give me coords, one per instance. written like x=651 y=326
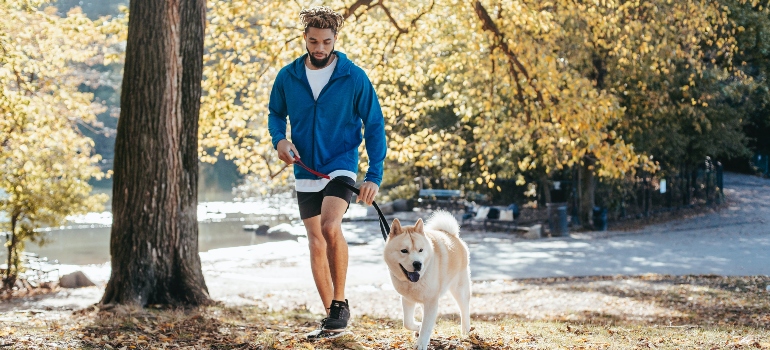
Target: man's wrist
x=275 y=145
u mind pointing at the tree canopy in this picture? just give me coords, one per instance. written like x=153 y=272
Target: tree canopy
x=480 y=90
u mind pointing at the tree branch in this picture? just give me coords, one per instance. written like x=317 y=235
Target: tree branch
x=270 y=170
x=489 y=24
x=352 y=9
x=411 y=25
x=392 y=20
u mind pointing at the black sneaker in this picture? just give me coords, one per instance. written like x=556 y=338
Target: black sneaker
x=339 y=314
x=335 y=325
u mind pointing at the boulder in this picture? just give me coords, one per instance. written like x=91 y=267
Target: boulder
x=400 y=205
x=76 y=279
x=258 y=229
x=262 y=230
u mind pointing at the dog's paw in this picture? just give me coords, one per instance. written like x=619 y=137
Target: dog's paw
x=413 y=327
x=422 y=344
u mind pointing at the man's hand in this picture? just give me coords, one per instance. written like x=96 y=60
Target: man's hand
x=283 y=148
x=367 y=193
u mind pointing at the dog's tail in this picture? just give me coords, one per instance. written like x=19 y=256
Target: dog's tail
x=443 y=221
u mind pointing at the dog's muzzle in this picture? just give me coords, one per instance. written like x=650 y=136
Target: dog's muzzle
x=412 y=276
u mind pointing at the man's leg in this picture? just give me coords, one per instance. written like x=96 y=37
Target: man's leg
x=319 y=263
x=332 y=210
x=332 y=271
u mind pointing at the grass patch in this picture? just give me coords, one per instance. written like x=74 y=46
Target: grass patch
x=712 y=313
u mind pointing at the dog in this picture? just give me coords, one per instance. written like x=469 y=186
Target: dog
x=424 y=262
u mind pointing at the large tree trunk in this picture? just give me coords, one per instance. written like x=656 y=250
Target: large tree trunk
x=154 y=238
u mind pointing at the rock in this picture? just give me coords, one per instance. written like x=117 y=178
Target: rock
x=258 y=229
x=76 y=279
x=400 y=205
x=534 y=232
x=262 y=229
x=255 y=227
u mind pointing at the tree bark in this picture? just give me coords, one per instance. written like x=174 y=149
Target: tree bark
x=154 y=238
x=546 y=187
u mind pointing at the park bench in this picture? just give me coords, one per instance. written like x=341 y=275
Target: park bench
x=440 y=199
x=492 y=217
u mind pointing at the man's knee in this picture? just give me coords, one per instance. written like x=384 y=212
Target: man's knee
x=317 y=243
x=331 y=230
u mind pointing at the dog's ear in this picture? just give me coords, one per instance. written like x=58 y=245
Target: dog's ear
x=418 y=227
x=395 y=228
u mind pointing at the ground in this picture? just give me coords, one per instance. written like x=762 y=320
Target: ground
x=696 y=282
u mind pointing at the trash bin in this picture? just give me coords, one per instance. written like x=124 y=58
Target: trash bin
x=557 y=219
x=600 y=219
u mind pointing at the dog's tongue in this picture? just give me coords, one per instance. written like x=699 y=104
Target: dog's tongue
x=413 y=276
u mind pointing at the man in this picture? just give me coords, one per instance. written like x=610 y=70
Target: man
x=328 y=100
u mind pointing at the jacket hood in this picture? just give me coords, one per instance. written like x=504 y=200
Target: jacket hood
x=297 y=68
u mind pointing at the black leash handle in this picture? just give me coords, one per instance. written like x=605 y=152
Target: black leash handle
x=384 y=227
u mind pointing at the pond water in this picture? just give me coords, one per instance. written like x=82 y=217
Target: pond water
x=84 y=245
x=86 y=239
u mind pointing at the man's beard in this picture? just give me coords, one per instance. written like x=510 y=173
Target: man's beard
x=319 y=63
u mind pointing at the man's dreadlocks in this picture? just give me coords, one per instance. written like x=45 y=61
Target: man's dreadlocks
x=321 y=17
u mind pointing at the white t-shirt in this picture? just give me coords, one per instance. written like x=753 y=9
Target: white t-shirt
x=318 y=78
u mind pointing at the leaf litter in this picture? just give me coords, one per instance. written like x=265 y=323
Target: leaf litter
x=708 y=312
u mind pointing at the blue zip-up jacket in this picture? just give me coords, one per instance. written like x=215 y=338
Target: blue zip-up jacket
x=327 y=132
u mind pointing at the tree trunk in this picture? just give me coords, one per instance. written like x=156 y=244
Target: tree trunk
x=546 y=185
x=694 y=186
x=685 y=186
x=11 y=273
x=154 y=238
x=586 y=189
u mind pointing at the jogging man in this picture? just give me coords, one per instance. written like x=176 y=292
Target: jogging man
x=328 y=100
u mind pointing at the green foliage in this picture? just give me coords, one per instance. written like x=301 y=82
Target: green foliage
x=46 y=161
x=749 y=99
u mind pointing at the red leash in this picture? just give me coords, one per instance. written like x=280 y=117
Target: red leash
x=298 y=161
x=384 y=227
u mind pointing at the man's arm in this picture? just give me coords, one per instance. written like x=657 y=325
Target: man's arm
x=276 y=120
x=368 y=107
x=276 y=123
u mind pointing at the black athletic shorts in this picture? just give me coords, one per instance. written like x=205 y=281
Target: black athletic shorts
x=310 y=202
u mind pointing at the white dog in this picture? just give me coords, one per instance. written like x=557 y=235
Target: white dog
x=424 y=263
